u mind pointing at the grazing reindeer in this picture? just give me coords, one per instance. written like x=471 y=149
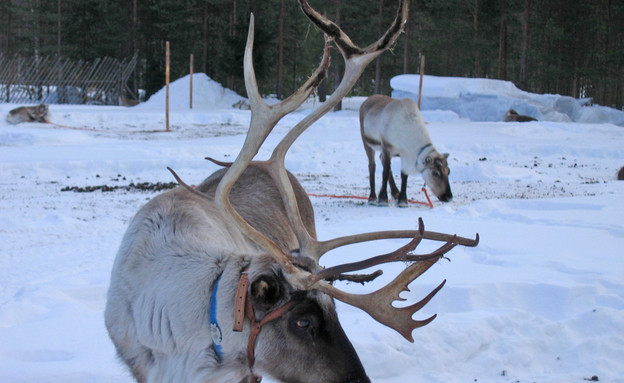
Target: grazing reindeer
x=222 y=283
x=37 y=113
x=620 y=174
x=396 y=128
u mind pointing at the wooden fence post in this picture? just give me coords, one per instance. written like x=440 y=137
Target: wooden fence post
x=167 y=61
x=422 y=73
x=191 y=91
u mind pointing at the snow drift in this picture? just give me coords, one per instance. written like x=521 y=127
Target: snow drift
x=479 y=99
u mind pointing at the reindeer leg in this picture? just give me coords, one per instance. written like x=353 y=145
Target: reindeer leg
x=394 y=191
x=402 y=201
x=382 y=200
x=370 y=153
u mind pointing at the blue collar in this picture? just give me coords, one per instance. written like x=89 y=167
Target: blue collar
x=215 y=330
x=422 y=150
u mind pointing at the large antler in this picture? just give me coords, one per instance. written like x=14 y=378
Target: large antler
x=264 y=118
x=356 y=59
x=379 y=303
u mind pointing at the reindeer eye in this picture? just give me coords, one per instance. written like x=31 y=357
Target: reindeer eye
x=306 y=321
x=303 y=323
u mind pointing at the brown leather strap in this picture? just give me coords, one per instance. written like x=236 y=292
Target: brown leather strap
x=239 y=303
x=242 y=306
x=257 y=326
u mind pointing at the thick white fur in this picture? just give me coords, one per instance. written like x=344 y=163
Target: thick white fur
x=175 y=248
x=160 y=290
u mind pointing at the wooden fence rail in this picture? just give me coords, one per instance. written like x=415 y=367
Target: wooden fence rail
x=54 y=80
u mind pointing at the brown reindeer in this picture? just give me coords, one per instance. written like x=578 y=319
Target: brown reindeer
x=39 y=113
x=222 y=283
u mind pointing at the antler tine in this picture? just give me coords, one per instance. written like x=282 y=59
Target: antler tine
x=291 y=103
x=342 y=40
x=326 y=246
x=378 y=304
x=402 y=254
x=356 y=59
x=397 y=255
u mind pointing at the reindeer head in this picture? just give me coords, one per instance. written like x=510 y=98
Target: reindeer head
x=435 y=174
x=40 y=113
x=307 y=333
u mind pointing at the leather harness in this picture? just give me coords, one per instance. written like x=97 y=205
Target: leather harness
x=242 y=308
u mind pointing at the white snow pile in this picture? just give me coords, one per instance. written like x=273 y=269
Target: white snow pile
x=207 y=94
x=480 y=99
x=541 y=299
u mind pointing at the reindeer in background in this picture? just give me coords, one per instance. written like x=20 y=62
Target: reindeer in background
x=513 y=116
x=39 y=113
x=396 y=128
x=222 y=283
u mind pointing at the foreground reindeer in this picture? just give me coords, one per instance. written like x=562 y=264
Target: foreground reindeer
x=37 y=113
x=222 y=283
x=396 y=128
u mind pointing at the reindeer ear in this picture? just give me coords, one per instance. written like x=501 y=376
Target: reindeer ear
x=265 y=291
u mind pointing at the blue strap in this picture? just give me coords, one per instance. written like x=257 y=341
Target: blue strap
x=422 y=150
x=215 y=330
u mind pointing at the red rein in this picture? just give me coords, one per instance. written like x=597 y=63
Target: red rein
x=428 y=203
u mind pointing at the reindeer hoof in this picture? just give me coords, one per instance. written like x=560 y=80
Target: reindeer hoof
x=402 y=204
x=382 y=203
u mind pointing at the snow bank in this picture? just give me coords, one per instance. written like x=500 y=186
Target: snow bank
x=207 y=95
x=480 y=99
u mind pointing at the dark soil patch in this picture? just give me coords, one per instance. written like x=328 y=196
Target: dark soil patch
x=142 y=186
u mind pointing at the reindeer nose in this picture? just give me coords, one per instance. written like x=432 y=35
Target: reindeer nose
x=446 y=197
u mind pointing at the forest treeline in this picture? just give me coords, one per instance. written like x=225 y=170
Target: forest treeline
x=569 y=47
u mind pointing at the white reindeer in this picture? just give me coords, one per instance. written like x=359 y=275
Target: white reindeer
x=395 y=127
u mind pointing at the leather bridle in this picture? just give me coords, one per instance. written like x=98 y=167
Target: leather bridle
x=242 y=303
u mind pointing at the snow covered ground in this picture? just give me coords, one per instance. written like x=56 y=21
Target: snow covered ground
x=541 y=299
